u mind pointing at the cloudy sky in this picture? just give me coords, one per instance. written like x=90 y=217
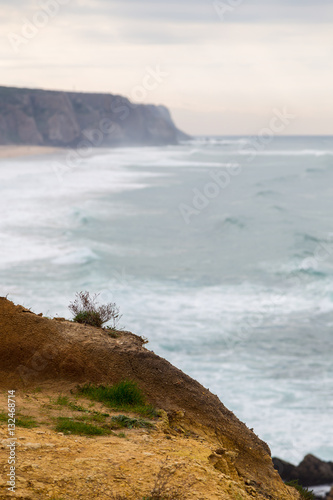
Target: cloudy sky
x=222 y=67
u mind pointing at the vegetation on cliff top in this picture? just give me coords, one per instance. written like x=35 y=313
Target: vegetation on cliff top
x=86 y=310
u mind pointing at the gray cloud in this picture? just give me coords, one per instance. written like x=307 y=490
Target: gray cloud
x=185 y=11
x=205 y=10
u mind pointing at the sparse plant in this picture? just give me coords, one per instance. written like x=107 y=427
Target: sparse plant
x=305 y=493
x=86 y=310
x=121 y=421
x=27 y=422
x=70 y=426
x=64 y=401
x=3 y=417
x=162 y=488
x=126 y=395
x=20 y=420
x=112 y=332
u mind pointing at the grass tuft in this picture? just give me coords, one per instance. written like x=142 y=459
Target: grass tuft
x=64 y=401
x=70 y=426
x=121 y=421
x=305 y=493
x=125 y=393
x=89 y=318
x=20 y=420
x=27 y=422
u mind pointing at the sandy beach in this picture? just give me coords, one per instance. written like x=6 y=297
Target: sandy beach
x=13 y=151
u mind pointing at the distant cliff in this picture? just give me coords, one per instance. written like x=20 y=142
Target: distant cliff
x=52 y=118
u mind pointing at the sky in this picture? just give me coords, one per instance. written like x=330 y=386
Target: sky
x=222 y=67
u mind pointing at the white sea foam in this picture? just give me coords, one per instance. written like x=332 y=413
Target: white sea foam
x=212 y=296
x=75 y=257
x=253 y=150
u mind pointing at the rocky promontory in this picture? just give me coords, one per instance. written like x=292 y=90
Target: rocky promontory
x=81 y=120
x=192 y=448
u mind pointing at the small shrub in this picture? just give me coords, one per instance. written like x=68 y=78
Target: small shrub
x=163 y=488
x=69 y=426
x=112 y=332
x=91 y=318
x=85 y=310
x=305 y=493
x=121 y=421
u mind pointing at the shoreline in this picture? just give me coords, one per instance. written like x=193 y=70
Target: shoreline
x=16 y=151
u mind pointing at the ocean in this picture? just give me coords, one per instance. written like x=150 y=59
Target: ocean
x=218 y=250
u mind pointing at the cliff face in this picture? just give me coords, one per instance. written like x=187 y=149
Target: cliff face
x=224 y=459
x=50 y=118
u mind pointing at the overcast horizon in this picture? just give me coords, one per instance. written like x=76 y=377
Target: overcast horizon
x=221 y=67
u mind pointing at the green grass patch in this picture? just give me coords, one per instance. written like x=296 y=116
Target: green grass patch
x=20 y=420
x=305 y=493
x=3 y=417
x=64 y=401
x=27 y=422
x=112 y=332
x=70 y=426
x=92 y=318
x=125 y=395
x=95 y=417
x=121 y=421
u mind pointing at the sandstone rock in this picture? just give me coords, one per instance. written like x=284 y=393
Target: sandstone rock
x=32 y=446
x=242 y=456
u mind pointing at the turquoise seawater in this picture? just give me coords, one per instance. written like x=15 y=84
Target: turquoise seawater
x=219 y=251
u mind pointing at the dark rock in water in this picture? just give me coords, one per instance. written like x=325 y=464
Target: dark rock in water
x=310 y=472
x=285 y=469
x=81 y=120
x=330 y=495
